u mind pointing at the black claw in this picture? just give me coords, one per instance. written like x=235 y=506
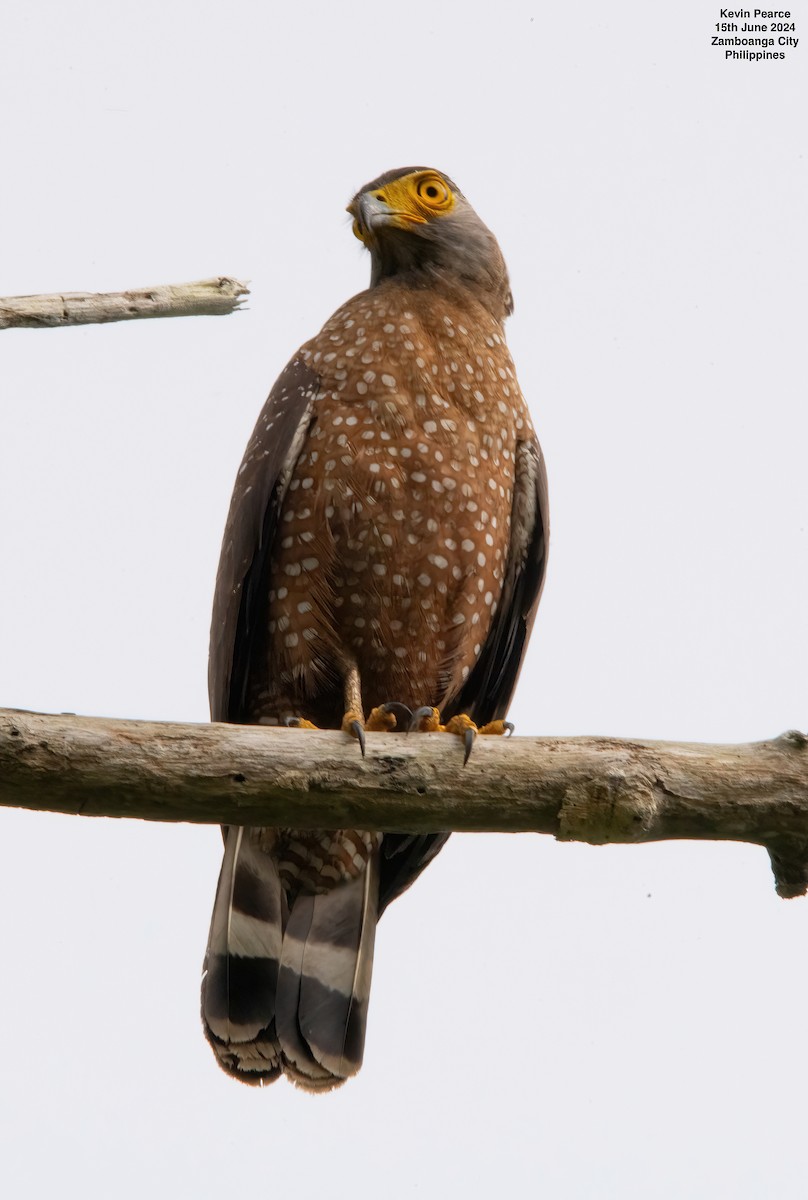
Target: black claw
x=468 y=742
x=509 y=727
x=402 y=714
x=359 y=734
x=418 y=716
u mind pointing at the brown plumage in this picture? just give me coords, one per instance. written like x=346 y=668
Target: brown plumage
x=386 y=541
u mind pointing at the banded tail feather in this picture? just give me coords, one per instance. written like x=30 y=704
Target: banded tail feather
x=324 y=982
x=286 y=985
x=242 y=961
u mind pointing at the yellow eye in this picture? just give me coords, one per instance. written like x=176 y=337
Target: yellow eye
x=433 y=193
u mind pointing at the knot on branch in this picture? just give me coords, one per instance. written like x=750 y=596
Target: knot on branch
x=793 y=739
x=620 y=808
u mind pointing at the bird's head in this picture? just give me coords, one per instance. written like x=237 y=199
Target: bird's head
x=420 y=228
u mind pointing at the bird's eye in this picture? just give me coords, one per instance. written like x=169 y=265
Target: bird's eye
x=433 y=192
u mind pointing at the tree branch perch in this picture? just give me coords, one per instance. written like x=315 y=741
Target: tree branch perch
x=204 y=298
x=595 y=790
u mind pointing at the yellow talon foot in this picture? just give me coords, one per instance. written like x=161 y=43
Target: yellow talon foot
x=426 y=720
x=299 y=723
x=354 y=724
x=497 y=728
x=461 y=725
x=381 y=720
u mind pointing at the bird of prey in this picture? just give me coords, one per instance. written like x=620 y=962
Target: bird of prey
x=381 y=566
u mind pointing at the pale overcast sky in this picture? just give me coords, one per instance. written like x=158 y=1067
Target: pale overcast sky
x=557 y=1020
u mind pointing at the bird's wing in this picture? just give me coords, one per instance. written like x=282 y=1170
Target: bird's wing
x=403 y=857
x=242 y=582
x=487 y=692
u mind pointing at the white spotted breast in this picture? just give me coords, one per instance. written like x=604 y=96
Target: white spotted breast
x=395 y=528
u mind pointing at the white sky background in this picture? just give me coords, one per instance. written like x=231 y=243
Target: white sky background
x=547 y=1019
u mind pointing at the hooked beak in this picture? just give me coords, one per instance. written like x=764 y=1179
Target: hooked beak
x=373 y=214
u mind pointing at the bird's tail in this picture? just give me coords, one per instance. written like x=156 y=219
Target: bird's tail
x=240 y=979
x=287 y=992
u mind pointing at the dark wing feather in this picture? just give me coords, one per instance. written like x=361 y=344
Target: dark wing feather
x=242 y=582
x=403 y=857
x=487 y=692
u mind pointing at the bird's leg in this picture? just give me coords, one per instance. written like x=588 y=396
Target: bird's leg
x=382 y=719
x=354 y=720
x=427 y=720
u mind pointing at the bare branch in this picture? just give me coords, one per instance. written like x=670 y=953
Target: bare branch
x=595 y=790
x=204 y=298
